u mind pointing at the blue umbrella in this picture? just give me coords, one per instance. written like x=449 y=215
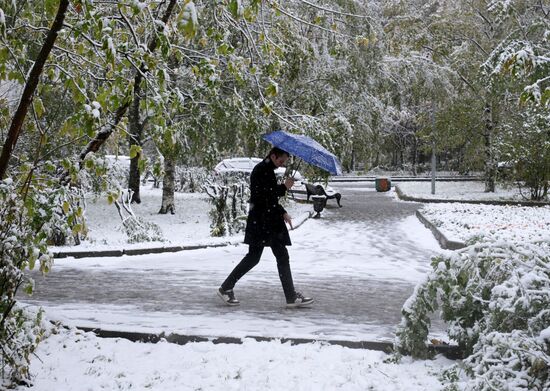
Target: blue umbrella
x=306 y=149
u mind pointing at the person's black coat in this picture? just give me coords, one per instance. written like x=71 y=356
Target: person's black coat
x=265 y=225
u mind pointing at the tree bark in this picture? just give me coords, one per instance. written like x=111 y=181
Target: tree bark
x=490 y=169
x=134 y=138
x=414 y=155
x=103 y=134
x=136 y=126
x=168 y=204
x=30 y=87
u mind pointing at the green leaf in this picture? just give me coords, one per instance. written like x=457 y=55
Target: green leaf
x=235 y=8
x=266 y=109
x=250 y=14
x=51 y=6
x=29 y=289
x=66 y=207
x=142 y=165
x=77 y=228
x=545 y=97
x=224 y=49
x=89 y=164
x=38 y=107
x=188 y=22
x=135 y=150
x=272 y=89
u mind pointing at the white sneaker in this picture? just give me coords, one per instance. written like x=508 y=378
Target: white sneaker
x=228 y=297
x=299 y=301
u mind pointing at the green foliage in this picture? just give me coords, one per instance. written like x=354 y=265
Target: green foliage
x=494 y=298
x=33 y=214
x=525 y=146
x=20 y=334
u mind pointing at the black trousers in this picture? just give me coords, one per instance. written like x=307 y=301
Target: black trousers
x=253 y=257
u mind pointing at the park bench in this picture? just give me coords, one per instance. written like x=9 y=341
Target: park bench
x=321 y=191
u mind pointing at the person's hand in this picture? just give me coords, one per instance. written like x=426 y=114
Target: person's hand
x=288 y=220
x=289 y=182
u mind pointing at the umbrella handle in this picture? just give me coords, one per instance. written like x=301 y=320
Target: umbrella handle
x=296 y=170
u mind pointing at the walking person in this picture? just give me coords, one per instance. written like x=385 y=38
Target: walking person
x=265 y=226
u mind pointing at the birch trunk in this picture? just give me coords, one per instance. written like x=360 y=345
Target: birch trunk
x=168 y=204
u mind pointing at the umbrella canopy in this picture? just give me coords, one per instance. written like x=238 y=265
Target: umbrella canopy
x=306 y=149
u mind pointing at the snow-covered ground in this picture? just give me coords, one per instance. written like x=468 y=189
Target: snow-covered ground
x=72 y=360
x=189 y=226
x=466 y=222
x=465 y=190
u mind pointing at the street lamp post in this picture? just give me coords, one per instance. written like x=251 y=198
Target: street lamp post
x=433 y=150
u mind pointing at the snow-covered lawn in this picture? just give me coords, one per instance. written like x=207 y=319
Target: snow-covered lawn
x=466 y=190
x=465 y=222
x=72 y=360
x=189 y=226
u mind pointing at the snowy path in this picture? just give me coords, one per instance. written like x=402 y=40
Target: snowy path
x=360 y=263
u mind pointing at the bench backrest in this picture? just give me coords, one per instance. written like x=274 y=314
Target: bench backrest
x=315 y=189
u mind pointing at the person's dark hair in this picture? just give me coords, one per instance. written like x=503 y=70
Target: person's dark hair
x=278 y=152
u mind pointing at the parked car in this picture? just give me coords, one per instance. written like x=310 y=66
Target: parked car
x=246 y=164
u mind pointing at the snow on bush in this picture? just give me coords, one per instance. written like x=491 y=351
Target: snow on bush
x=229 y=195
x=32 y=215
x=191 y=179
x=495 y=298
x=135 y=227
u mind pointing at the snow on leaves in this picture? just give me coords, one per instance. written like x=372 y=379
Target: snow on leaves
x=495 y=297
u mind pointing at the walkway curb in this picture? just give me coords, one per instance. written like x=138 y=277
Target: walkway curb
x=450 y=351
x=404 y=197
x=158 y=250
x=440 y=237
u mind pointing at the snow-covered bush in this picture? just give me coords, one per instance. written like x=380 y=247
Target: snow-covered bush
x=31 y=214
x=135 y=227
x=495 y=298
x=20 y=334
x=527 y=145
x=229 y=197
x=191 y=179
x=139 y=230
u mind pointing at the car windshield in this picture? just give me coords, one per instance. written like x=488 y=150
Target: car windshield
x=246 y=164
x=237 y=164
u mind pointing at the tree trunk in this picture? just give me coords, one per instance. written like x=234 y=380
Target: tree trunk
x=490 y=169
x=30 y=87
x=376 y=159
x=168 y=204
x=134 y=138
x=414 y=155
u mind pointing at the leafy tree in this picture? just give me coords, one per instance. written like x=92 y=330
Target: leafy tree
x=525 y=147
